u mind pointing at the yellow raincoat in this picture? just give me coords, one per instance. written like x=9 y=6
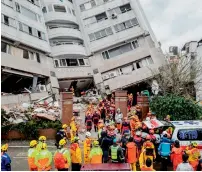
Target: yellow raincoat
x=32 y=153
x=66 y=155
x=43 y=160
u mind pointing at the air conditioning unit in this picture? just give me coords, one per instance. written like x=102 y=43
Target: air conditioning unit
x=113 y=74
x=105 y=77
x=42 y=88
x=114 y=16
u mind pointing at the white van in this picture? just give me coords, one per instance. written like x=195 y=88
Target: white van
x=187 y=132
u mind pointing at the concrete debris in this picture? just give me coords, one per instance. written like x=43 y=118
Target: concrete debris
x=26 y=112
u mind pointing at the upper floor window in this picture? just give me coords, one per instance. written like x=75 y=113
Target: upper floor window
x=8 y=20
x=27 y=12
x=100 y=34
x=59 y=8
x=70 y=62
x=9 y=3
x=125 y=8
x=120 y=10
x=4 y=47
x=119 y=50
x=87 y=5
x=125 y=25
x=101 y=17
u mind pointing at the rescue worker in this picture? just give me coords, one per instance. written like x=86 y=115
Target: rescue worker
x=73 y=125
x=116 y=153
x=87 y=147
x=32 y=153
x=95 y=119
x=133 y=125
x=75 y=155
x=112 y=109
x=124 y=140
x=148 y=151
x=118 y=119
x=96 y=153
x=184 y=166
x=43 y=159
x=42 y=139
x=176 y=155
x=131 y=153
x=61 y=134
x=164 y=150
x=72 y=135
x=138 y=141
x=194 y=155
x=100 y=129
x=105 y=144
x=88 y=122
x=147 y=166
x=62 y=159
x=167 y=118
x=125 y=125
x=169 y=132
x=130 y=101
x=5 y=159
x=103 y=112
x=153 y=137
x=139 y=112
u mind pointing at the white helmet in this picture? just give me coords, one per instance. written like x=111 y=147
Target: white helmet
x=138 y=133
x=147 y=119
x=88 y=134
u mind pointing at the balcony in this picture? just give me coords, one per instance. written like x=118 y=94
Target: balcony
x=73 y=72
x=62 y=32
x=57 y=16
x=70 y=49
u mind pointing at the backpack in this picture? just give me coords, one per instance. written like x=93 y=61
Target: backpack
x=59 y=160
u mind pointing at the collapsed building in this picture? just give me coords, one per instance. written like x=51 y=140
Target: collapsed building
x=51 y=46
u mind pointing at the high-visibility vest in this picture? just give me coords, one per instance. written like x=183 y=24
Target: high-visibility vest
x=114 y=154
x=32 y=152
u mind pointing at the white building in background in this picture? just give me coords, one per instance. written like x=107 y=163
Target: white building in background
x=25 y=49
x=108 y=42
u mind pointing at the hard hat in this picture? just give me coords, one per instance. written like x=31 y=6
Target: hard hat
x=88 y=134
x=62 y=142
x=4 y=147
x=33 y=143
x=43 y=146
x=148 y=137
x=76 y=139
x=165 y=132
x=168 y=116
x=64 y=126
x=95 y=143
x=118 y=109
x=147 y=119
x=42 y=138
x=194 y=144
x=114 y=140
x=151 y=131
x=138 y=133
x=153 y=113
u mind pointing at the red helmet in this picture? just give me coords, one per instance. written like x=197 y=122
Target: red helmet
x=148 y=137
x=151 y=131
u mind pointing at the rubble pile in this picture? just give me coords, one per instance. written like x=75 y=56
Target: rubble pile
x=27 y=112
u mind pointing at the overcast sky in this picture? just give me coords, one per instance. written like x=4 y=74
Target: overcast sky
x=174 y=22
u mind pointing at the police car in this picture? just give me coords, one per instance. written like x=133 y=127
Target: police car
x=187 y=132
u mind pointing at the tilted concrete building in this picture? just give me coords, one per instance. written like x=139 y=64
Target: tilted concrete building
x=105 y=42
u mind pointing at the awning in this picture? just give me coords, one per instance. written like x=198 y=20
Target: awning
x=17 y=72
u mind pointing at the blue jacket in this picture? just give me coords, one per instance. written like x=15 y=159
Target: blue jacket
x=165 y=147
x=5 y=162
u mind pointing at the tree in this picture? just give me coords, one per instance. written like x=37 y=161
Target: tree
x=181 y=76
x=180 y=108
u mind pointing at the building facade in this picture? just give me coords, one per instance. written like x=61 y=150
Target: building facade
x=106 y=42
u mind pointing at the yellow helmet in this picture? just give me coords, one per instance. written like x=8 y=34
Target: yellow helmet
x=43 y=146
x=62 y=142
x=4 y=147
x=194 y=144
x=33 y=143
x=42 y=138
x=95 y=143
x=76 y=139
x=64 y=126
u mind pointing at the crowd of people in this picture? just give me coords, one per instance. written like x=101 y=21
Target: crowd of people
x=119 y=140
